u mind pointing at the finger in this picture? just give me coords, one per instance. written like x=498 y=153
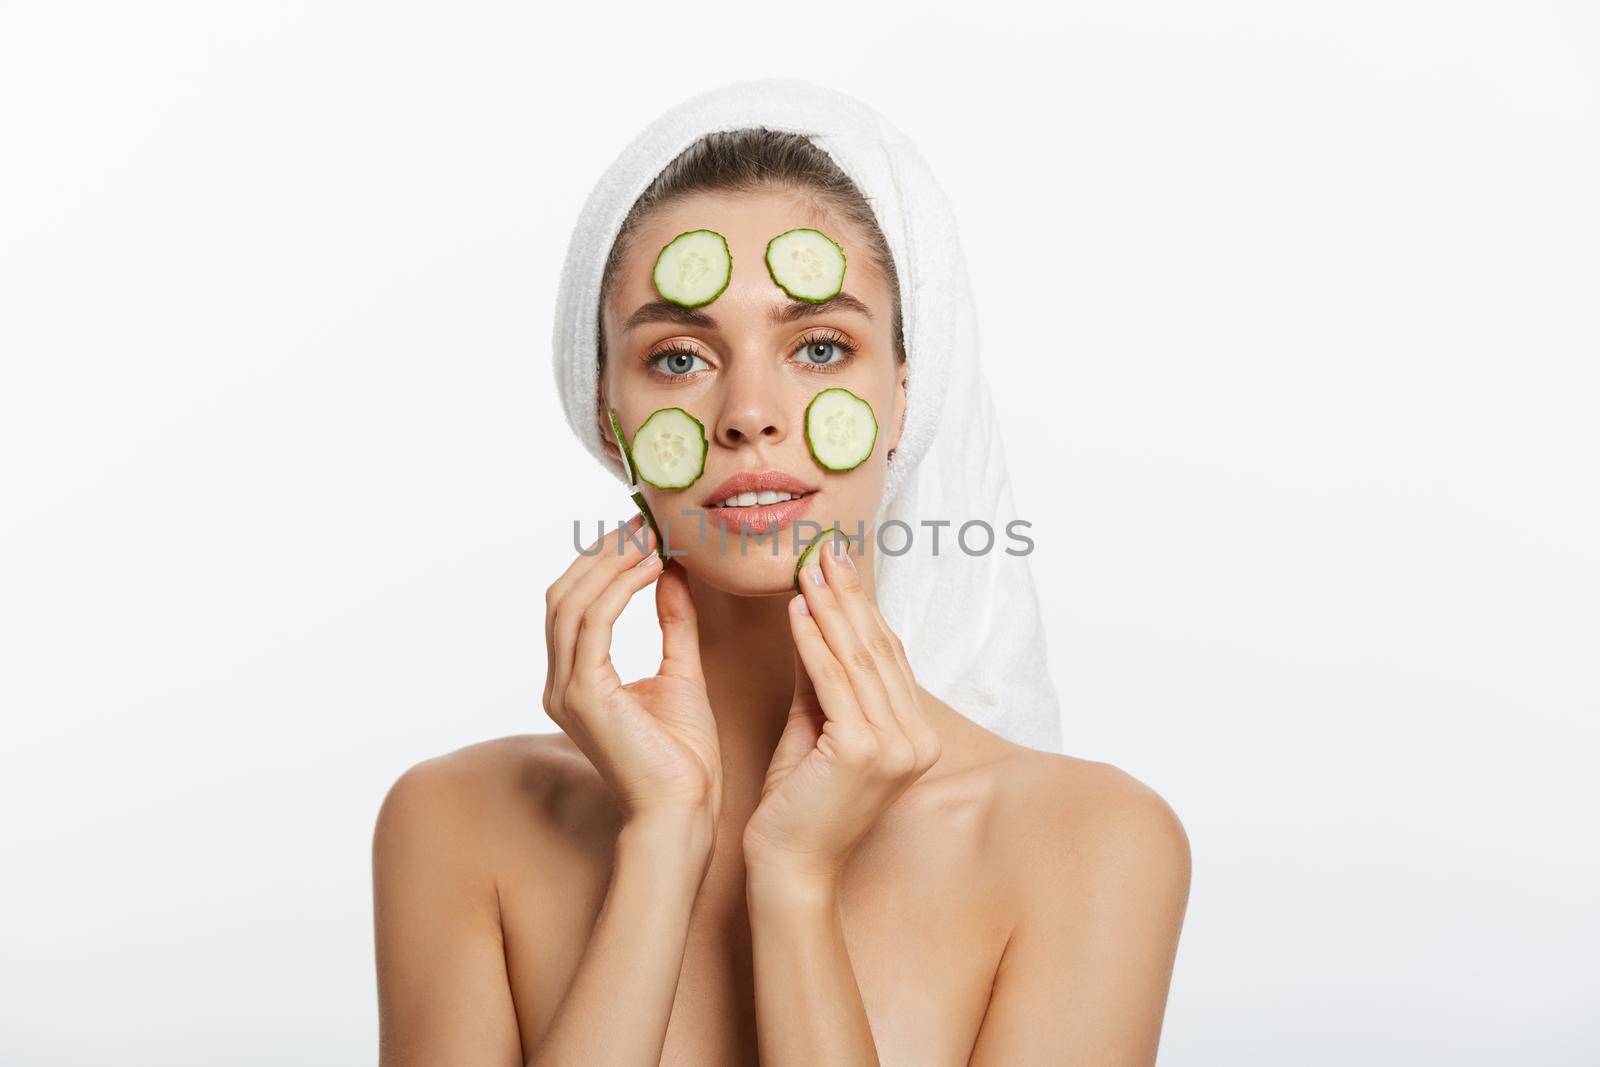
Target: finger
x=549 y=649
x=901 y=749
x=591 y=658
x=840 y=570
x=680 y=627
x=618 y=554
x=846 y=645
x=624 y=538
x=913 y=719
x=559 y=588
x=804 y=688
x=821 y=676
x=902 y=661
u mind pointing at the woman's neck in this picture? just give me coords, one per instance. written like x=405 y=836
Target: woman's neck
x=747 y=654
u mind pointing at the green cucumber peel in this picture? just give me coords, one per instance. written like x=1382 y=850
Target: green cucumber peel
x=807 y=264
x=691 y=270
x=649 y=518
x=622 y=447
x=841 y=429
x=633 y=484
x=811 y=550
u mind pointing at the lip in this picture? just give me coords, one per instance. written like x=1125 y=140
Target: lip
x=755 y=482
x=761 y=517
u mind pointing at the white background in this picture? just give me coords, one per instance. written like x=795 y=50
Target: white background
x=1292 y=310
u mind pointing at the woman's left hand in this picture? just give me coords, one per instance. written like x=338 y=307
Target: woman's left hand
x=856 y=736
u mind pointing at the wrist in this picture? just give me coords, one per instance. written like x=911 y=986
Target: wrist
x=668 y=840
x=789 y=888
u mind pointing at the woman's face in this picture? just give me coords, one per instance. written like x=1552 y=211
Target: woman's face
x=746 y=365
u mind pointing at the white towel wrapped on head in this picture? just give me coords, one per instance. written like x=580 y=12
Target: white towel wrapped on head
x=970 y=623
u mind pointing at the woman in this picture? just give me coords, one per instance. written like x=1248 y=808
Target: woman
x=783 y=847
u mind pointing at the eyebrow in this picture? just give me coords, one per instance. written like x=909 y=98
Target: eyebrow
x=666 y=311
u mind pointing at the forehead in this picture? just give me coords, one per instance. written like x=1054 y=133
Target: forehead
x=747 y=220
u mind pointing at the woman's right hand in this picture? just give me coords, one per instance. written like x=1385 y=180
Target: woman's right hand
x=654 y=741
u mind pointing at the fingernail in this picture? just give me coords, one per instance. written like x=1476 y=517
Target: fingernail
x=841 y=552
x=814 y=572
x=801 y=606
x=649 y=561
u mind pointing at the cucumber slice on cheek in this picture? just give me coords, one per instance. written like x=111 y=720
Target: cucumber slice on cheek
x=840 y=429
x=807 y=264
x=693 y=268
x=669 y=450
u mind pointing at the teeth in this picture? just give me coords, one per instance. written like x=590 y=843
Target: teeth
x=750 y=500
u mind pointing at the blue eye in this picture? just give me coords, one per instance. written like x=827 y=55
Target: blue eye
x=822 y=353
x=825 y=350
x=678 y=361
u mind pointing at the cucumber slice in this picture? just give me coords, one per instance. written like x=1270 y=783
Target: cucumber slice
x=807 y=264
x=693 y=268
x=840 y=429
x=649 y=517
x=622 y=446
x=669 y=450
x=633 y=484
x=811 y=550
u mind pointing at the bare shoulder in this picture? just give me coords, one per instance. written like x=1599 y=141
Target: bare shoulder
x=482 y=804
x=450 y=836
x=1088 y=826
x=1098 y=887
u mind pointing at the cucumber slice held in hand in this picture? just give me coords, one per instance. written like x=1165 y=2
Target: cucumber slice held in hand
x=811 y=550
x=669 y=450
x=693 y=268
x=633 y=484
x=650 y=520
x=807 y=264
x=622 y=447
x=840 y=429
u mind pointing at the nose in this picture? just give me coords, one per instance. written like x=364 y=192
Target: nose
x=752 y=407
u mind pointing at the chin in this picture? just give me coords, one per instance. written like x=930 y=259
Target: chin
x=757 y=574
x=706 y=546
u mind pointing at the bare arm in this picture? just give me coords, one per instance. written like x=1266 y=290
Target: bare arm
x=443 y=990
x=620 y=1000
x=855 y=740
x=1084 y=978
x=807 y=1000
x=443 y=996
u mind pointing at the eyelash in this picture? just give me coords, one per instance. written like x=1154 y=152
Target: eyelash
x=820 y=336
x=831 y=337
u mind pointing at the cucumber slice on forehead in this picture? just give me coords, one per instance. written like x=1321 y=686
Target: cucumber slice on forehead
x=693 y=268
x=669 y=450
x=840 y=429
x=807 y=264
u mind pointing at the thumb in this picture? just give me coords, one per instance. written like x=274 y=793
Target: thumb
x=802 y=728
x=680 y=626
